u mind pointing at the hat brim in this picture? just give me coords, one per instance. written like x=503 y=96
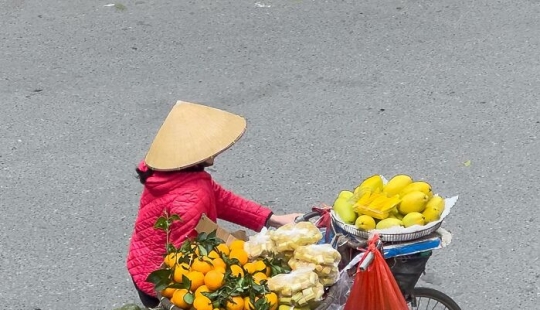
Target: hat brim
x=191 y=134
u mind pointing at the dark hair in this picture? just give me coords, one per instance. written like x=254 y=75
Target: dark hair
x=144 y=175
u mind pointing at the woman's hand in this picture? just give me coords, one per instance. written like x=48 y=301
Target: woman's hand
x=277 y=221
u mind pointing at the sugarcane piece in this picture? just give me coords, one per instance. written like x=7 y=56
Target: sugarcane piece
x=322 y=254
x=259 y=244
x=293 y=282
x=290 y=236
x=306 y=298
x=286 y=292
x=319 y=291
x=296 y=297
x=285 y=300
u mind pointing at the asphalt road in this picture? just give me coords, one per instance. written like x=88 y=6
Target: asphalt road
x=334 y=91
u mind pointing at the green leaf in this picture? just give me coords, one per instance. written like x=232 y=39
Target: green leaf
x=201 y=237
x=202 y=251
x=186 y=246
x=186 y=282
x=259 y=289
x=161 y=223
x=262 y=304
x=184 y=259
x=188 y=298
x=174 y=217
x=160 y=278
x=213 y=295
x=467 y=163
x=176 y=285
x=212 y=234
x=241 y=281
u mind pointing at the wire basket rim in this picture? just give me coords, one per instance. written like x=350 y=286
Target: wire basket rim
x=391 y=237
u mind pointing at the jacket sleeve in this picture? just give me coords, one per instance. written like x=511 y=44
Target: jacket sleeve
x=189 y=207
x=238 y=210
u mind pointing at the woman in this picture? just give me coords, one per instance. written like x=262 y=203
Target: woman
x=174 y=181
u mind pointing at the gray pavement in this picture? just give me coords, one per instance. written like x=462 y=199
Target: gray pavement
x=334 y=91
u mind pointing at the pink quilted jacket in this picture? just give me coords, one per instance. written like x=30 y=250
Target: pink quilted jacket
x=188 y=194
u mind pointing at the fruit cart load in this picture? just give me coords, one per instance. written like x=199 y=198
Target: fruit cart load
x=399 y=209
x=283 y=268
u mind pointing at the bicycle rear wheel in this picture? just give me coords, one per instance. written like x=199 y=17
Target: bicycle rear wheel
x=425 y=298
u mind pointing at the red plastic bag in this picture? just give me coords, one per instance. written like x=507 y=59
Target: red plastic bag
x=375 y=288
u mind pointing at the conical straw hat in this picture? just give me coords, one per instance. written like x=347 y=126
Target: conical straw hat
x=191 y=134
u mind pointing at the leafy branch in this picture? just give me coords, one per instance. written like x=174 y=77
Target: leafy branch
x=161 y=278
x=164 y=223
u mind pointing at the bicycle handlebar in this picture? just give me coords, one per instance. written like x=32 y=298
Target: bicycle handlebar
x=306 y=217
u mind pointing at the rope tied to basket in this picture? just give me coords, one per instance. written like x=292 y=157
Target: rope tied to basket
x=371 y=248
x=325 y=220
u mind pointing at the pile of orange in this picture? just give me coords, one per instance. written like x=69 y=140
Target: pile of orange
x=222 y=278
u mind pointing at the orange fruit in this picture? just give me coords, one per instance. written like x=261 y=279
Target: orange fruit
x=223 y=249
x=179 y=298
x=214 y=280
x=168 y=292
x=240 y=255
x=259 y=276
x=237 y=244
x=179 y=271
x=249 y=267
x=196 y=278
x=272 y=299
x=201 y=289
x=255 y=266
x=219 y=264
x=171 y=259
x=202 y=264
x=202 y=302
x=247 y=304
x=260 y=266
x=235 y=303
x=213 y=254
x=236 y=271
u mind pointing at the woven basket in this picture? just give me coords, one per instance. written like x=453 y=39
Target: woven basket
x=408 y=269
x=350 y=230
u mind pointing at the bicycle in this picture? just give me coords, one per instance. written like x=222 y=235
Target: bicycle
x=406 y=270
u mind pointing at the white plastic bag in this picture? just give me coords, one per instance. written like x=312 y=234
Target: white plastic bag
x=260 y=244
